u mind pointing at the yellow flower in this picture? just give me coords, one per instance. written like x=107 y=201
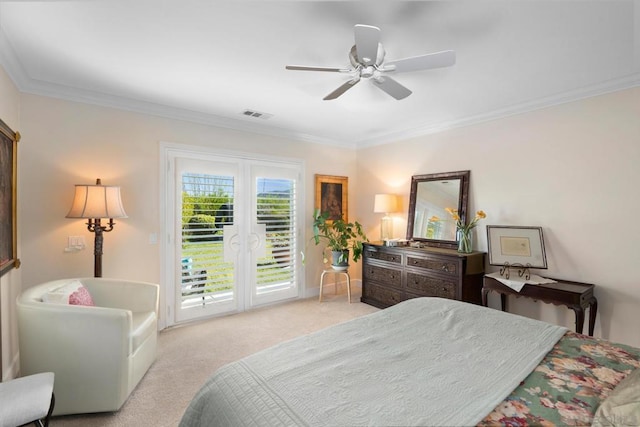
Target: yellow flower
x=465 y=227
x=434 y=219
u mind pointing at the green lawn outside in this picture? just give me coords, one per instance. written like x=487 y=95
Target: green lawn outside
x=209 y=256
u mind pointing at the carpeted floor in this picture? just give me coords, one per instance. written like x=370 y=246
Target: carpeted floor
x=189 y=354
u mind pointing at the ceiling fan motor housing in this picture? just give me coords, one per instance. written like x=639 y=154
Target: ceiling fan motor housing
x=358 y=62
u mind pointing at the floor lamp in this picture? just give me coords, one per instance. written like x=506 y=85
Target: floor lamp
x=385 y=203
x=94 y=202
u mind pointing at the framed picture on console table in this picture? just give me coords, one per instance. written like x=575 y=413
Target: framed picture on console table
x=509 y=245
x=8 y=176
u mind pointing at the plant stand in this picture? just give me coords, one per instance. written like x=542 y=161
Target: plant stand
x=335 y=281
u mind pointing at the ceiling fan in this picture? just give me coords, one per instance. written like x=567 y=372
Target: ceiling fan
x=367 y=62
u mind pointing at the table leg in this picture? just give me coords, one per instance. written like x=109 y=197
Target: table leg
x=579 y=317
x=593 y=310
x=348 y=286
x=484 y=297
x=321 y=283
x=503 y=302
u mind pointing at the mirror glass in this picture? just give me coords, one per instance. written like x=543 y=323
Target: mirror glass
x=428 y=220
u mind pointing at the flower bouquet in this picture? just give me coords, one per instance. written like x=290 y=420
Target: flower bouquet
x=464 y=230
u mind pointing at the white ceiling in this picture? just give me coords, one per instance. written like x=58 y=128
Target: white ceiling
x=208 y=60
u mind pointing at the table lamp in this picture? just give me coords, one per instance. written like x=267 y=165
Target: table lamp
x=386 y=203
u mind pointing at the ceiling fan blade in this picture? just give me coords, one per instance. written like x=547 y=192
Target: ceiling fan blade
x=445 y=58
x=367 y=40
x=392 y=87
x=305 y=68
x=342 y=89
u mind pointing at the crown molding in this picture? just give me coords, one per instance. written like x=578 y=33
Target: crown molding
x=624 y=83
x=25 y=84
x=10 y=63
x=104 y=100
x=67 y=93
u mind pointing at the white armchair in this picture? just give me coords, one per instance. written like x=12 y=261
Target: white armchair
x=98 y=354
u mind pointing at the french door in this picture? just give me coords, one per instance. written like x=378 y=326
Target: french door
x=233 y=226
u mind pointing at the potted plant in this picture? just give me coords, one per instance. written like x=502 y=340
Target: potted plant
x=341 y=237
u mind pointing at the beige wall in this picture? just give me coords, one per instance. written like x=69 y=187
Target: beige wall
x=572 y=169
x=10 y=282
x=66 y=143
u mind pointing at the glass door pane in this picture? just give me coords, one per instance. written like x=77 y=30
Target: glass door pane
x=275 y=269
x=209 y=243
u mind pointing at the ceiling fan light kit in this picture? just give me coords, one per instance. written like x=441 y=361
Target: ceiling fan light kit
x=367 y=62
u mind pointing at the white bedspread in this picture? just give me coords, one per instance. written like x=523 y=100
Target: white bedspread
x=426 y=361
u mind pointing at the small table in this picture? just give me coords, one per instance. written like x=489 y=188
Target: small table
x=577 y=296
x=335 y=281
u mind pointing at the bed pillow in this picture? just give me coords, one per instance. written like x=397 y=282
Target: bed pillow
x=622 y=407
x=72 y=293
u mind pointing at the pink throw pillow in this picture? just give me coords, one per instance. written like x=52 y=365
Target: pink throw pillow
x=81 y=297
x=73 y=293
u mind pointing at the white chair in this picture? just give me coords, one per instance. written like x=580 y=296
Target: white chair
x=27 y=400
x=98 y=354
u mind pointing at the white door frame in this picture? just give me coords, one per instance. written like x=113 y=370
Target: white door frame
x=168 y=151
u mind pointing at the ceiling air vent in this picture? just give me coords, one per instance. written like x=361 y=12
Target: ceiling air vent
x=256 y=114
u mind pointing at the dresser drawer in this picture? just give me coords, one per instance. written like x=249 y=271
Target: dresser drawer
x=431 y=286
x=381 y=294
x=436 y=264
x=384 y=275
x=383 y=256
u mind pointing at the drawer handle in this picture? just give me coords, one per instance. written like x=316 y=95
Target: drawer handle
x=415 y=261
x=444 y=268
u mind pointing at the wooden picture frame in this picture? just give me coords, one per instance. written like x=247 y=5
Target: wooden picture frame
x=516 y=246
x=8 y=179
x=332 y=196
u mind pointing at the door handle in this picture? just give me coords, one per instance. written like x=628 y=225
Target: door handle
x=230 y=243
x=254 y=241
x=257 y=240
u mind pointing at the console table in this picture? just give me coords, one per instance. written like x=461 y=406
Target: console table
x=577 y=296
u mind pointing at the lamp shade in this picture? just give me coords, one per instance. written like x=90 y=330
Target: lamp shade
x=385 y=203
x=97 y=201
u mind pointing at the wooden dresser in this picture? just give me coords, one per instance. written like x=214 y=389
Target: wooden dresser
x=394 y=274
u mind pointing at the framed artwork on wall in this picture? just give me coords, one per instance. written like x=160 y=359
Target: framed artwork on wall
x=8 y=176
x=331 y=196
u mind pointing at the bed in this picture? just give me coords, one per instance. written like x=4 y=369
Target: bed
x=425 y=361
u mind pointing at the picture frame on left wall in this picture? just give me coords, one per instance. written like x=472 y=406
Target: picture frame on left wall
x=8 y=184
